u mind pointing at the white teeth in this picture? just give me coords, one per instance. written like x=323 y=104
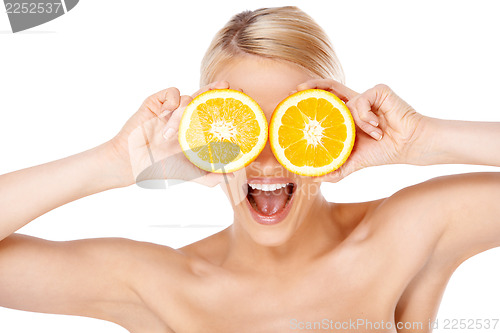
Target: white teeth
x=267 y=187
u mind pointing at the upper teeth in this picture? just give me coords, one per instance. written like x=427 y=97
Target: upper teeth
x=267 y=187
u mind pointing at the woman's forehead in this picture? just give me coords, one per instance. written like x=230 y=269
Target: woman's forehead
x=265 y=80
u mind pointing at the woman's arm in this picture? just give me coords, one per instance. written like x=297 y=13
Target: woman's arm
x=457 y=142
x=29 y=193
x=390 y=131
x=465 y=209
x=93 y=277
x=469 y=201
x=145 y=148
x=98 y=278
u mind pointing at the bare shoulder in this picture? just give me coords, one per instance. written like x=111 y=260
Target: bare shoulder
x=442 y=188
x=101 y=278
x=145 y=259
x=419 y=205
x=137 y=250
x=425 y=210
x=406 y=227
x=211 y=250
x=427 y=231
x=129 y=255
x=158 y=275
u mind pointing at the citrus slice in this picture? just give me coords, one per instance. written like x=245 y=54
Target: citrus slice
x=312 y=132
x=222 y=130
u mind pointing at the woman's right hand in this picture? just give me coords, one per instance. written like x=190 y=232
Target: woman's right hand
x=147 y=146
x=388 y=130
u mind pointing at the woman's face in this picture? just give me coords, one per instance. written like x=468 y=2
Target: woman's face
x=269 y=217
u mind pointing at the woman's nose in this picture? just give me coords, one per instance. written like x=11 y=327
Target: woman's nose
x=266 y=164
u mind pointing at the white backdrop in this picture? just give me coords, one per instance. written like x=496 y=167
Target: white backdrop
x=70 y=84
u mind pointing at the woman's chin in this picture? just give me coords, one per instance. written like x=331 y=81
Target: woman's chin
x=272 y=210
x=271 y=237
x=279 y=232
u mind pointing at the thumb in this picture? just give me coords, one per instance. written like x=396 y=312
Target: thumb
x=172 y=125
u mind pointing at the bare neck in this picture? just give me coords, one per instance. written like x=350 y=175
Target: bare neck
x=317 y=234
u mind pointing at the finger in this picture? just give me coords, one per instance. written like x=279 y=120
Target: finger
x=172 y=100
x=376 y=96
x=361 y=110
x=172 y=126
x=214 y=85
x=154 y=102
x=343 y=92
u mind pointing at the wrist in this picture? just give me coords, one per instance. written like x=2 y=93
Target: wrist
x=452 y=142
x=463 y=142
x=115 y=164
x=424 y=145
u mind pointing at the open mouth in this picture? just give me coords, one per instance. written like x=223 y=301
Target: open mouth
x=270 y=202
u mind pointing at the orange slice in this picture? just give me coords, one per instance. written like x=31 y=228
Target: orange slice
x=312 y=132
x=222 y=130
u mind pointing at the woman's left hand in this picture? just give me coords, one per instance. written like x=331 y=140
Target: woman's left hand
x=386 y=127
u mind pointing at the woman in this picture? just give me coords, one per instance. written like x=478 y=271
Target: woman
x=372 y=266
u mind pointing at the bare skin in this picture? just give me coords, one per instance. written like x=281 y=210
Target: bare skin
x=383 y=261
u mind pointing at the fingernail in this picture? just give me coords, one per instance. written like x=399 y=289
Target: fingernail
x=168 y=133
x=374 y=123
x=376 y=135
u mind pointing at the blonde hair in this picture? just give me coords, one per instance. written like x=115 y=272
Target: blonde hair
x=281 y=33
